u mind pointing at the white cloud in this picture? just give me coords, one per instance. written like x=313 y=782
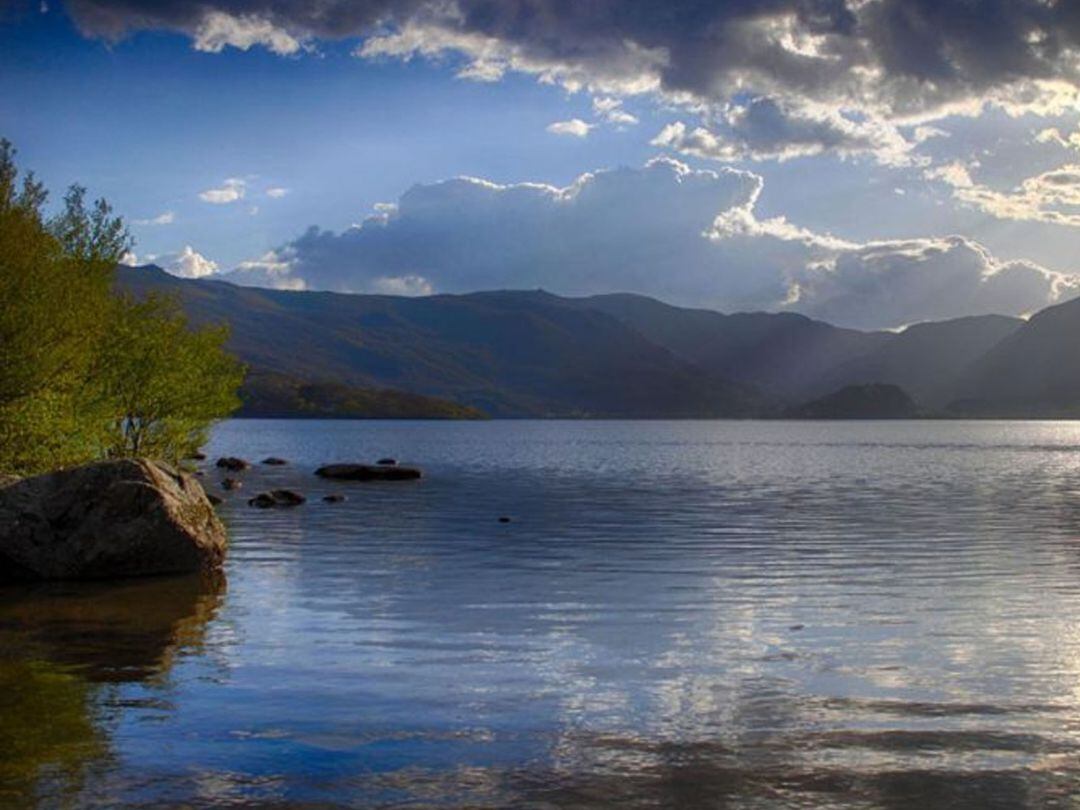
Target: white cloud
x=232 y=190
x=187 y=263
x=219 y=29
x=401 y=285
x=1051 y=197
x=167 y=218
x=575 y=127
x=277 y=192
x=609 y=109
x=687 y=236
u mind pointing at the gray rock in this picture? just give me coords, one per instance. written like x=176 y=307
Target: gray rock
x=232 y=463
x=368 y=472
x=277 y=497
x=123 y=518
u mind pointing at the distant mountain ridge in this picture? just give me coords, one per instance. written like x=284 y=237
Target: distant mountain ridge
x=531 y=353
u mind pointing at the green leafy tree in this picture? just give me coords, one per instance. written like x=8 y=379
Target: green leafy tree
x=61 y=361
x=163 y=382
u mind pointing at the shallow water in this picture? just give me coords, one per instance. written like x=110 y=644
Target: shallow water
x=719 y=614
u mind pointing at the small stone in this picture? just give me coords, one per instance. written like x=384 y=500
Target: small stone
x=274 y=461
x=504 y=519
x=387 y=462
x=797 y=627
x=287 y=497
x=277 y=497
x=231 y=483
x=335 y=498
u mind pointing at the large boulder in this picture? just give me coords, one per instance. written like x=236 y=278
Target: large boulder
x=111 y=519
x=368 y=472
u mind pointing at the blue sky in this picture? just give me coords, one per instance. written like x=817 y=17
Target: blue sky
x=224 y=131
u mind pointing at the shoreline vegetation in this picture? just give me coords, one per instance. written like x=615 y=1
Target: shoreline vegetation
x=88 y=372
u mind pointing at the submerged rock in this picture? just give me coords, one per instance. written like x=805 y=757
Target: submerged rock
x=274 y=461
x=197 y=457
x=231 y=483
x=124 y=518
x=277 y=497
x=368 y=472
x=232 y=463
x=387 y=462
x=214 y=499
x=334 y=498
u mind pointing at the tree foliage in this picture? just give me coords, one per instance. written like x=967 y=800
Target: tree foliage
x=83 y=372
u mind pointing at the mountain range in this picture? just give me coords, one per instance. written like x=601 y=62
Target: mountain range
x=534 y=354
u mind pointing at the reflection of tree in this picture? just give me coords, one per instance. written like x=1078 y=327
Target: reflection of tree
x=47 y=729
x=57 y=643
x=119 y=632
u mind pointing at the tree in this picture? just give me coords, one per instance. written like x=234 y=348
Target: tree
x=163 y=382
x=60 y=352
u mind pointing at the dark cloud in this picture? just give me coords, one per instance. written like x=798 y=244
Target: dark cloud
x=903 y=55
x=766 y=129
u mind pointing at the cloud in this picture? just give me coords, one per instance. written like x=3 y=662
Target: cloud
x=900 y=282
x=687 y=236
x=276 y=193
x=610 y=109
x=895 y=58
x=575 y=127
x=187 y=263
x=769 y=129
x=218 y=29
x=167 y=218
x=1052 y=196
x=232 y=190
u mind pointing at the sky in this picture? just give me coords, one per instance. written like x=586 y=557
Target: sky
x=870 y=162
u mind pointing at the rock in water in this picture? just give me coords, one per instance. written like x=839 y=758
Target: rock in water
x=368 y=472
x=274 y=461
x=232 y=463
x=387 y=462
x=124 y=518
x=277 y=497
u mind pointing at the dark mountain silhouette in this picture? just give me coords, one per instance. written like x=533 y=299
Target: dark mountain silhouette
x=785 y=354
x=517 y=353
x=1033 y=372
x=506 y=353
x=927 y=359
x=869 y=401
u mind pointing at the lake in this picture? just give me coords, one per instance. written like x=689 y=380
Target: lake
x=718 y=614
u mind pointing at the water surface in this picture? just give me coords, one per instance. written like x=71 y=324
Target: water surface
x=719 y=614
